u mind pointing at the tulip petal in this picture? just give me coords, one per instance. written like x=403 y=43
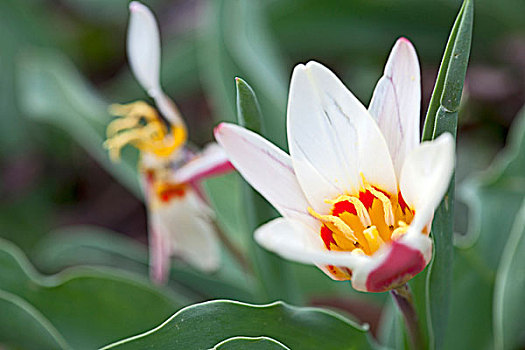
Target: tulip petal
x=426 y=176
x=294 y=241
x=143 y=46
x=332 y=138
x=159 y=249
x=395 y=268
x=266 y=167
x=212 y=161
x=396 y=102
x=191 y=234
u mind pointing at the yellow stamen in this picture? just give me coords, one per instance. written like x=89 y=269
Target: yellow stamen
x=358 y=251
x=400 y=231
x=364 y=222
x=141 y=126
x=373 y=238
x=336 y=223
x=387 y=204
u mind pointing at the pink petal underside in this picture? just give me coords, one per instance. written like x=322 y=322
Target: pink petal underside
x=212 y=161
x=401 y=264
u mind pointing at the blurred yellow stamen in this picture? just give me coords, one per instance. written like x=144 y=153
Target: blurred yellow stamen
x=141 y=126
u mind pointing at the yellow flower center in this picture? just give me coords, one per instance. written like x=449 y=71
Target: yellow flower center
x=364 y=222
x=141 y=126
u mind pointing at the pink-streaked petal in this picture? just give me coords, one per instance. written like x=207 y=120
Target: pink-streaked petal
x=396 y=102
x=266 y=167
x=212 y=161
x=187 y=223
x=398 y=267
x=295 y=241
x=425 y=177
x=394 y=264
x=332 y=138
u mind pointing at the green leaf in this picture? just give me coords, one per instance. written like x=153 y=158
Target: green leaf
x=22 y=325
x=273 y=272
x=202 y=326
x=445 y=101
x=494 y=198
x=86 y=245
x=509 y=315
x=442 y=116
x=89 y=307
x=51 y=90
x=252 y=343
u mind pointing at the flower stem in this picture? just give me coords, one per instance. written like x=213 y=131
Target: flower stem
x=234 y=251
x=403 y=298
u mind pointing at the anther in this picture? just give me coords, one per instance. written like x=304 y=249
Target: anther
x=387 y=204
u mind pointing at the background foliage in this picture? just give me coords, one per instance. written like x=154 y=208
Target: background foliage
x=63 y=205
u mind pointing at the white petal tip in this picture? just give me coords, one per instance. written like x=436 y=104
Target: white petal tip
x=137 y=7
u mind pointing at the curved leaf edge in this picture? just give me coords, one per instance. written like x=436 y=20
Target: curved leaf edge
x=277 y=304
x=36 y=315
x=79 y=272
x=468 y=191
x=240 y=338
x=509 y=253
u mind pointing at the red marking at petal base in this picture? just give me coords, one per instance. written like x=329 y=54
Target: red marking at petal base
x=402 y=202
x=327 y=236
x=401 y=264
x=344 y=206
x=173 y=192
x=367 y=198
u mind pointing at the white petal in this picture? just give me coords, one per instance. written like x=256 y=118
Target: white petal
x=191 y=233
x=144 y=47
x=266 y=167
x=159 y=249
x=396 y=102
x=426 y=176
x=294 y=241
x=332 y=138
x=211 y=161
x=168 y=109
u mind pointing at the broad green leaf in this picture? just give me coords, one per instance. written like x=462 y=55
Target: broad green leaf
x=251 y=343
x=273 y=272
x=51 y=90
x=85 y=245
x=494 y=198
x=22 y=325
x=442 y=116
x=89 y=307
x=202 y=326
x=509 y=296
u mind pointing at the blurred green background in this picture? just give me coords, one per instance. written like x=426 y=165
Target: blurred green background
x=65 y=57
x=63 y=62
